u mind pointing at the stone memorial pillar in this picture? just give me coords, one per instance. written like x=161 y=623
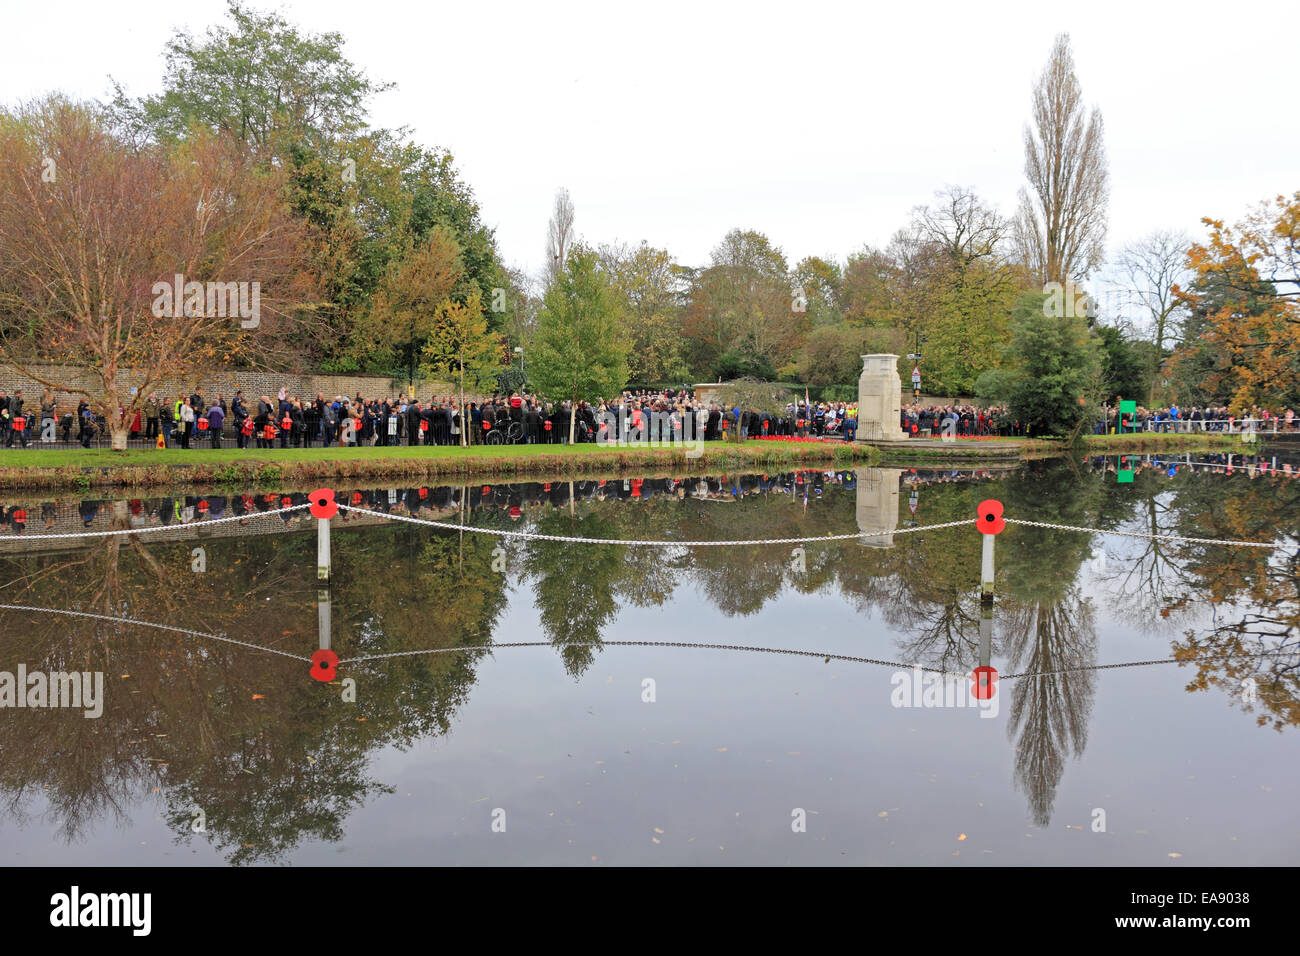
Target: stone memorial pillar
x=879 y=403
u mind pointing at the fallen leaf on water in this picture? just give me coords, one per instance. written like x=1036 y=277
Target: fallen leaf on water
x=883 y=813
x=259 y=697
x=722 y=750
x=1174 y=856
x=658 y=830
x=654 y=839
x=962 y=837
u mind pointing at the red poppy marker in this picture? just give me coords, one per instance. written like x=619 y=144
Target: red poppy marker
x=989 y=518
x=323 y=504
x=990 y=523
x=984 y=682
x=323 y=663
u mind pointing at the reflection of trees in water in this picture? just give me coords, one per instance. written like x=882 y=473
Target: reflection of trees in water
x=574 y=585
x=1049 y=714
x=1251 y=596
x=267 y=772
x=292 y=766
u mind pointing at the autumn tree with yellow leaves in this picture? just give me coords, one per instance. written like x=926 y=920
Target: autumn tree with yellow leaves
x=1245 y=316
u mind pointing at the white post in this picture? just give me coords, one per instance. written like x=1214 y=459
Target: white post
x=323 y=629
x=986 y=571
x=986 y=633
x=322 y=549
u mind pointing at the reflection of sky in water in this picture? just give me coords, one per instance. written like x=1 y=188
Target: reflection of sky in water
x=583 y=768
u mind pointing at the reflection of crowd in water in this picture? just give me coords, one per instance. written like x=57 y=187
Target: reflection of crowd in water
x=510 y=500
x=1253 y=466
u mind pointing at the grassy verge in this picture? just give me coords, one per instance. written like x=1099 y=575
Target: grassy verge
x=147 y=468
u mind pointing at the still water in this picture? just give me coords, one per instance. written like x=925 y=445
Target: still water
x=585 y=753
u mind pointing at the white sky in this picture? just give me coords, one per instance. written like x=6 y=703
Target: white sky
x=820 y=124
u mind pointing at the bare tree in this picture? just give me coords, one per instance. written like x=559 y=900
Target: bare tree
x=1152 y=268
x=1061 y=224
x=559 y=232
x=99 y=238
x=962 y=225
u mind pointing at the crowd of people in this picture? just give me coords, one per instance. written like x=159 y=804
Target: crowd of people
x=963 y=421
x=1211 y=418
x=670 y=415
x=289 y=421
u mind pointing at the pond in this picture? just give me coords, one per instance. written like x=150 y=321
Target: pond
x=214 y=744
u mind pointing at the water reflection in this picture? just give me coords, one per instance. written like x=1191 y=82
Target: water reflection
x=275 y=760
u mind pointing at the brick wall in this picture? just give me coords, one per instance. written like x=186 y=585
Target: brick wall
x=304 y=386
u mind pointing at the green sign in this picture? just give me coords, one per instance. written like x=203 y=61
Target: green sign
x=1128 y=408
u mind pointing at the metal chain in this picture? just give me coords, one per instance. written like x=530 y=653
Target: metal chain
x=760 y=650
x=573 y=539
x=826 y=655
x=161 y=627
x=1139 y=534
x=712 y=647
x=187 y=526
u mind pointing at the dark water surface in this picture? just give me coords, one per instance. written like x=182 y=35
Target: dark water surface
x=560 y=745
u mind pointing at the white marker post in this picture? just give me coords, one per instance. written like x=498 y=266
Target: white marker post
x=323 y=549
x=986 y=571
x=323 y=617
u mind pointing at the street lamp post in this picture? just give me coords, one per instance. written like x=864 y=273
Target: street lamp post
x=520 y=352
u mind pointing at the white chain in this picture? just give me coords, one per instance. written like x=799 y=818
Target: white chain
x=161 y=627
x=1141 y=534
x=187 y=526
x=573 y=539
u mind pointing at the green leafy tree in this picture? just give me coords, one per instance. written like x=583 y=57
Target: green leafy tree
x=1049 y=369
x=261 y=80
x=460 y=345
x=648 y=281
x=1122 y=365
x=577 y=350
x=404 y=316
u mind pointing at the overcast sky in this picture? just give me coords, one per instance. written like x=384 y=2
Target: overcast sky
x=820 y=124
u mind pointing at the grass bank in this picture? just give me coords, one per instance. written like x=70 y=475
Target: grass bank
x=150 y=468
